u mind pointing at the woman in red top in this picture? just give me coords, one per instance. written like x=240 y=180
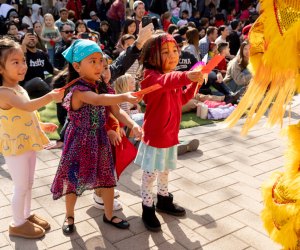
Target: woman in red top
x=76 y=6
x=158 y=150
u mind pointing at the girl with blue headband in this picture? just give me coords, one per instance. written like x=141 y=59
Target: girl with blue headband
x=87 y=161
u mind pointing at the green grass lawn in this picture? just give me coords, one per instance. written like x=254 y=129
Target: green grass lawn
x=48 y=114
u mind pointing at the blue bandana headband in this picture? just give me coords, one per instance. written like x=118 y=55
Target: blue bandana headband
x=80 y=49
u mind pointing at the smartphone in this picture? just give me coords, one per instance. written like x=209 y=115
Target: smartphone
x=84 y=35
x=30 y=30
x=146 y=20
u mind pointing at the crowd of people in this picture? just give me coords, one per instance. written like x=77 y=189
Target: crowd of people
x=109 y=51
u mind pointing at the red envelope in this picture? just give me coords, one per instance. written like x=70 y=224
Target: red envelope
x=147 y=90
x=212 y=64
x=125 y=154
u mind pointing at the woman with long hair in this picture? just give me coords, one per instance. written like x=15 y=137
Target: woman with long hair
x=192 y=38
x=237 y=75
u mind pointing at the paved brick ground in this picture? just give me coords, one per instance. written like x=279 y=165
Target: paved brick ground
x=219 y=185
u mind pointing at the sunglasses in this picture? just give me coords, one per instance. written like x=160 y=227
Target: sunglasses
x=68 y=31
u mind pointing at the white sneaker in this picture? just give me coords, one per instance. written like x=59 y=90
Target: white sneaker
x=100 y=204
x=116 y=193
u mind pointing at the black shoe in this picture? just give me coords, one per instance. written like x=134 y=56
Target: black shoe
x=165 y=205
x=233 y=98
x=149 y=218
x=68 y=228
x=123 y=224
x=187 y=146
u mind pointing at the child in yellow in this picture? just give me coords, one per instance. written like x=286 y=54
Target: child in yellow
x=21 y=136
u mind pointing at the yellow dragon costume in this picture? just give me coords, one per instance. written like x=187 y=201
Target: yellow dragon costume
x=275 y=63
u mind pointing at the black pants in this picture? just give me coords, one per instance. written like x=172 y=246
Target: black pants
x=37 y=87
x=212 y=81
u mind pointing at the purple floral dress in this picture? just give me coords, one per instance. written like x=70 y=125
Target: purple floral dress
x=86 y=161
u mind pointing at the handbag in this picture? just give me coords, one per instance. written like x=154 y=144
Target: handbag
x=125 y=153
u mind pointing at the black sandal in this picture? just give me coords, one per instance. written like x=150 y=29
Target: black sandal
x=123 y=224
x=68 y=228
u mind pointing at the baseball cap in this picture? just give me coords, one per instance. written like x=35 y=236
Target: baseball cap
x=104 y=23
x=246 y=30
x=136 y=3
x=181 y=23
x=13 y=14
x=93 y=13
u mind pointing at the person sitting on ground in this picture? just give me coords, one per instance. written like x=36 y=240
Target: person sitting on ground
x=37 y=62
x=237 y=75
x=94 y=23
x=63 y=13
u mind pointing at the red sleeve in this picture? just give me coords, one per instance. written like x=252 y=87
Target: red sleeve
x=112 y=123
x=172 y=80
x=121 y=12
x=188 y=93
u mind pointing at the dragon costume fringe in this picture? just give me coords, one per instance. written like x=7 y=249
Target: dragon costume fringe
x=274 y=60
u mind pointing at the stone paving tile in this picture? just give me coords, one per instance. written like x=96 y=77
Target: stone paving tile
x=71 y=245
x=247 y=203
x=192 y=164
x=108 y=231
x=219 y=228
x=217 y=172
x=189 y=175
x=219 y=185
x=193 y=219
x=228 y=242
x=4 y=200
x=25 y=244
x=218 y=211
x=167 y=245
x=4 y=224
x=55 y=238
x=130 y=182
x=94 y=241
x=187 y=201
x=143 y=241
x=245 y=168
x=244 y=178
x=186 y=237
x=3 y=241
x=256 y=239
x=186 y=184
x=6 y=187
x=219 y=195
x=251 y=192
x=250 y=219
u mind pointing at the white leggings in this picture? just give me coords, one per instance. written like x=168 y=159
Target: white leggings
x=147 y=185
x=21 y=169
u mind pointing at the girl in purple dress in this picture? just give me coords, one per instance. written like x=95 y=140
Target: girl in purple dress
x=86 y=161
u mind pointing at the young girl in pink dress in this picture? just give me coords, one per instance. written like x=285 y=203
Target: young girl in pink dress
x=86 y=162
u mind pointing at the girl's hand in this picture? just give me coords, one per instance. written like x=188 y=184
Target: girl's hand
x=48 y=127
x=137 y=131
x=57 y=95
x=195 y=76
x=129 y=97
x=219 y=77
x=114 y=137
x=122 y=132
